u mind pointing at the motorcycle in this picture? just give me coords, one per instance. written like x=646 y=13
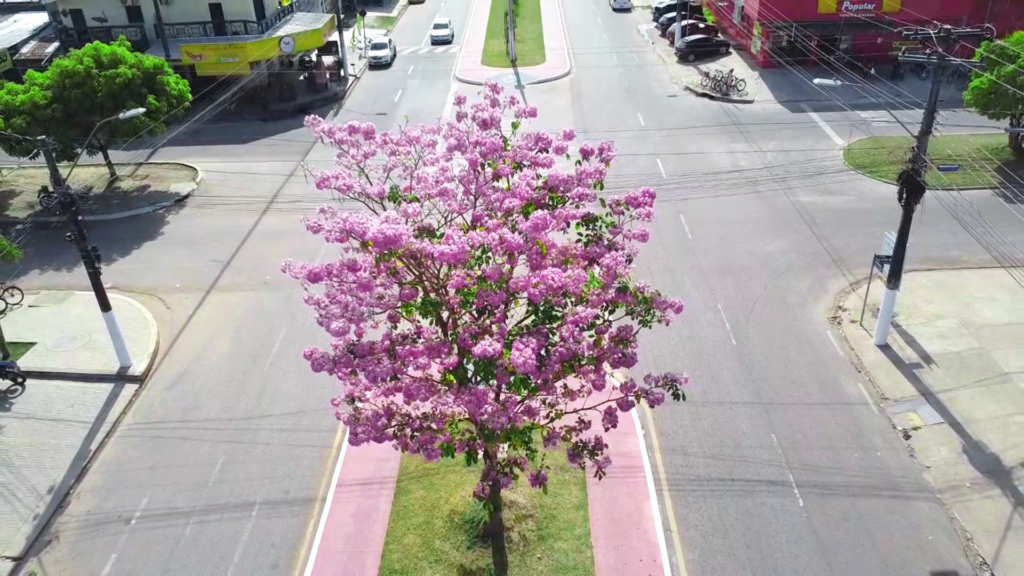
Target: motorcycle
x=10 y=372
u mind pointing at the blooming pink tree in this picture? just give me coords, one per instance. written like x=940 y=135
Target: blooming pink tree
x=481 y=293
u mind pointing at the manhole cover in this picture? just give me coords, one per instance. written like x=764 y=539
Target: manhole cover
x=67 y=342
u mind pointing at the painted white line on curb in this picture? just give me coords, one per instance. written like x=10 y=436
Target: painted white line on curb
x=327 y=508
x=828 y=129
x=835 y=344
x=397 y=96
x=202 y=499
x=663 y=480
x=641 y=119
x=658 y=528
x=687 y=229
x=727 y=327
x=785 y=465
x=120 y=543
x=867 y=397
x=660 y=167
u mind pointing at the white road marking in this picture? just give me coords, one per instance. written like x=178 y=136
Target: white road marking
x=599 y=22
x=441 y=49
x=641 y=119
x=449 y=103
x=658 y=528
x=202 y=499
x=867 y=397
x=120 y=543
x=423 y=51
x=615 y=58
x=785 y=465
x=635 y=57
x=410 y=69
x=270 y=358
x=835 y=344
x=410 y=50
x=245 y=537
x=606 y=39
x=660 y=167
x=327 y=509
x=727 y=327
x=669 y=511
x=828 y=129
x=687 y=228
x=397 y=96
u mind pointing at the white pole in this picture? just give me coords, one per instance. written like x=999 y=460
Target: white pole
x=120 y=347
x=885 y=317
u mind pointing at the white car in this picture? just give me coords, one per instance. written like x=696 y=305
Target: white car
x=382 y=52
x=621 y=4
x=442 y=31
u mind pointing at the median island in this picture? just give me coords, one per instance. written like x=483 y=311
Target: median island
x=529 y=33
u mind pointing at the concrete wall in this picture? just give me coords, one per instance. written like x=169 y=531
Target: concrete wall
x=175 y=12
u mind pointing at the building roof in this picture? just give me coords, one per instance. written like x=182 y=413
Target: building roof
x=18 y=27
x=40 y=50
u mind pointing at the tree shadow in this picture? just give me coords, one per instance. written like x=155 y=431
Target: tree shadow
x=47 y=249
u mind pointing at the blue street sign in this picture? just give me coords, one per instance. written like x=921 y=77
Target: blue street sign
x=947 y=167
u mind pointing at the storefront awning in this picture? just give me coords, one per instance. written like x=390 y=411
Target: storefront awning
x=232 y=55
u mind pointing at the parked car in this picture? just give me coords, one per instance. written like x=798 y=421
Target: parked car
x=381 y=52
x=699 y=46
x=621 y=4
x=669 y=19
x=659 y=9
x=442 y=31
x=690 y=27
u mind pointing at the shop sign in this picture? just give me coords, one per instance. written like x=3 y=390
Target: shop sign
x=906 y=44
x=861 y=8
x=221 y=53
x=5 y=60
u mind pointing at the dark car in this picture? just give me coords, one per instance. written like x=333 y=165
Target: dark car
x=659 y=9
x=669 y=19
x=699 y=45
x=690 y=27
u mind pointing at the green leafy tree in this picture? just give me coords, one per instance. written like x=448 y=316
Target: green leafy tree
x=86 y=86
x=997 y=91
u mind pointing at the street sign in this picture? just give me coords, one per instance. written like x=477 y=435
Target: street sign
x=888 y=243
x=947 y=167
x=881 y=263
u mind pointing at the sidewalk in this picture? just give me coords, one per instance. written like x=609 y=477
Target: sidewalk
x=71 y=338
x=623 y=530
x=952 y=381
x=49 y=433
x=557 y=63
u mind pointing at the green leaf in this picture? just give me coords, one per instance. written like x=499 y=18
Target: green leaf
x=604 y=203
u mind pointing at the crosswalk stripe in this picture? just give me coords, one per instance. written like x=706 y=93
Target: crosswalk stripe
x=423 y=51
x=409 y=50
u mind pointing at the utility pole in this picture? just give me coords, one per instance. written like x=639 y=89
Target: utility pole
x=68 y=203
x=679 y=19
x=339 y=17
x=911 y=180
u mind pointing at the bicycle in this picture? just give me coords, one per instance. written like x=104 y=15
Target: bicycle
x=10 y=295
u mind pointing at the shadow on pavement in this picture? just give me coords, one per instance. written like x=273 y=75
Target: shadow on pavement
x=978 y=454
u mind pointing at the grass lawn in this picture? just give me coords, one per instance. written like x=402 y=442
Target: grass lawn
x=18 y=349
x=428 y=534
x=529 y=36
x=136 y=184
x=984 y=159
x=381 y=22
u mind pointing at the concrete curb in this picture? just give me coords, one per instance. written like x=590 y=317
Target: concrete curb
x=556 y=76
x=124 y=213
x=132 y=374
x=697 y=90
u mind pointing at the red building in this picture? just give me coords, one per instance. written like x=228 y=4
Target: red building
x=807 y=31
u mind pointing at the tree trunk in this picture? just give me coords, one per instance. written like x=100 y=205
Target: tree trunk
x=5 y=351
x=106 y=159
x=499 y=553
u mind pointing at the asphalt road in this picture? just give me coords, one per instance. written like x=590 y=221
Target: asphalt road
x=220 y=465
x=776 y=465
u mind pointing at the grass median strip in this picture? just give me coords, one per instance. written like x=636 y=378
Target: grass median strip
x=529 y=36
x=435 y=523
x=984 y=160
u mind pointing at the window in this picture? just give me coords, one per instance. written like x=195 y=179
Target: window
x=440 y=26
x=134 y=14
x=78 y=18
x=379 y=46
x=260 y=10
x=217 y=16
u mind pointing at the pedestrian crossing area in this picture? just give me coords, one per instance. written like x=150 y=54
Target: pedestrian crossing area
x=886 y=119
x=429 y=50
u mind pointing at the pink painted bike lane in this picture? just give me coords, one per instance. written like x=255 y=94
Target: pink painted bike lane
x=350 y=538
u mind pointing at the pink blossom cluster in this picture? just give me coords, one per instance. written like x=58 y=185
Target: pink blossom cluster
x=483 y=290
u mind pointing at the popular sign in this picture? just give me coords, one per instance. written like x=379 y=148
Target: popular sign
x=857 y=7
